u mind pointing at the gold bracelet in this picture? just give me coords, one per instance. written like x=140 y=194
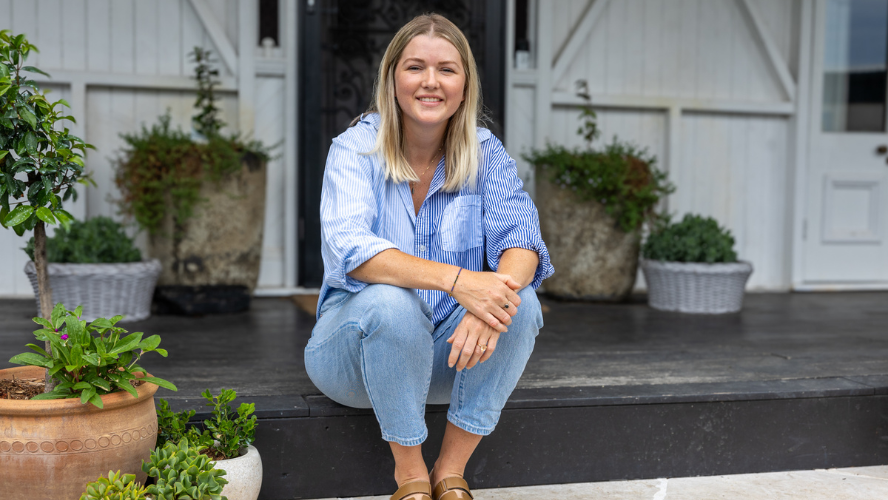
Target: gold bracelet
x=454 y=282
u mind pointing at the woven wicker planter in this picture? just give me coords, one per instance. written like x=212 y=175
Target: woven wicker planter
x=104 y=290
x=696 y=287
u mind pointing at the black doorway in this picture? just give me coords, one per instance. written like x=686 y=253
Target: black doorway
x=341 y=44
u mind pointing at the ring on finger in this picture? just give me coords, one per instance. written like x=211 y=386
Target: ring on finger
x=506 y=306
x=481 y=347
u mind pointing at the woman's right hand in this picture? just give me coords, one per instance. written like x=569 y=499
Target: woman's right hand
x=486 y=294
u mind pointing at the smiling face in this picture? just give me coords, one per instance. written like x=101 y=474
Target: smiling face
x=429 y=82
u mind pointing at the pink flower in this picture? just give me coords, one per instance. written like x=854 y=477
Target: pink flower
x=64 y=336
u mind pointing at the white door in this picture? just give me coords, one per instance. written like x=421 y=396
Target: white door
x=846 y=226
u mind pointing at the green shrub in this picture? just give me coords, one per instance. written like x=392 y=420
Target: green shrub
x=620 y=176
x=226 y=435
x=114 y=487
x=694 y=239
x=182 y=472
x=99 y=240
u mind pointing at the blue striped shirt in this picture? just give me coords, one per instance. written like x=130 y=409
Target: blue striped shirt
x=363 y=214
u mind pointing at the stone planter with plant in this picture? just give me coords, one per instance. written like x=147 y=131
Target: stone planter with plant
x=227 y=438
x=592 y=205
x=96 y=265
x=181 y=471
x=691 y=266
x=202 y=202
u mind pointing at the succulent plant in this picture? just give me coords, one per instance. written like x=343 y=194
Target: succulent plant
x=116 y=486
x=181 y=472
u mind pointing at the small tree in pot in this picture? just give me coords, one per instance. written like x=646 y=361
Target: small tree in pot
x=691 y=266
x=40 y=162
x=593 y=204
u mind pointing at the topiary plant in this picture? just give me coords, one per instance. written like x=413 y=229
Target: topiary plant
x=115 y=487
x=99 y=240
x=40 y=161
x=181 y=472
x=694 y=239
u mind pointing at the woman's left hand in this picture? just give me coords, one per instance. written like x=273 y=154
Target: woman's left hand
x=468 y=335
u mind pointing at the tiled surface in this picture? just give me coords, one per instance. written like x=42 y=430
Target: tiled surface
x=859 y=483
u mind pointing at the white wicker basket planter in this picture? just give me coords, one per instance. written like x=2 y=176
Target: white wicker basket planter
x=696 y=287
x=104 y=290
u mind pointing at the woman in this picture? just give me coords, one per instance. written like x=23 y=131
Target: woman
x=415 y=197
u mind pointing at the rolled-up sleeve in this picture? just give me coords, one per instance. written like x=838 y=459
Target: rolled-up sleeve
x=348 y=212
x=510 y=217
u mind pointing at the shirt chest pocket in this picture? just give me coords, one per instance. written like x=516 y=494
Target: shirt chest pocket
x=461 y=224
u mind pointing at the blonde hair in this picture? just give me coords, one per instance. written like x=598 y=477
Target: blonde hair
x=461 y=145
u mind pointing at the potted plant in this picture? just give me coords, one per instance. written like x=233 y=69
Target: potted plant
x=94 y=263
x=181 y=471
x=226 y=438
x=592 y=205
x=691 y=266
x=116 y=486
x=99 y=416
x=201 y=197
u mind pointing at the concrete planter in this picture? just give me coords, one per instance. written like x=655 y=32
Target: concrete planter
x=244 y=475
x=222 y=243
x=50 y=450
x=593 y=258
x=104 y=290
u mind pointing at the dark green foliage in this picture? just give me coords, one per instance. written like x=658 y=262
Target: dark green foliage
x=226 y=435
x=231 y=431
x=116 y=486
x=99 y=240
x=91 y=360
x=694 y=239
x=181 y=472
x=161 y=170
x=620 y=176
x=39 y=161
x=172 y=427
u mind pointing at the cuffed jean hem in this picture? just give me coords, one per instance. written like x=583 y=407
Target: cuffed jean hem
x=462 y=424
x=406 y=442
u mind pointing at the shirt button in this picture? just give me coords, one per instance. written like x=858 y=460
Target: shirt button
x=422 y=248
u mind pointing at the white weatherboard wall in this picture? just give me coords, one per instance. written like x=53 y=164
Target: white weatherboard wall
x=708 y=86
x=122 y=63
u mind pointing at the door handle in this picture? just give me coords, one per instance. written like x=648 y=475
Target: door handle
x=882 y=149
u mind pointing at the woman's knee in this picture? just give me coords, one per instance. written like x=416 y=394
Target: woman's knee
x=392 y=309
x=529 y=317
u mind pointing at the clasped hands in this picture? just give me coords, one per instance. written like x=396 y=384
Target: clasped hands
x=490 y=299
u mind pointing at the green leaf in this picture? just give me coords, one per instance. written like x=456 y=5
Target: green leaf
x=30 y=141
x=98 y=382
x=18 y=215
x=81 y=386
x=87 y=394
x=45 y=215
x=32 y=359
x=4 y=152
x=127 y=343
x=162 y=352
x=35 y=70
x=28 y=116
x=38 y=349
x=96 y=401
x=49 y=395
x=159 y=382
x=150 y=343
x=101 y=323
x=126 y=386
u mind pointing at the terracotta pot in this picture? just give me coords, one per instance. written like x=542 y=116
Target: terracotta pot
x=244 y=475
x=51 y=449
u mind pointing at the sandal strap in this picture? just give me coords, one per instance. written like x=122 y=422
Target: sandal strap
x=413 y=488
x=453 y=488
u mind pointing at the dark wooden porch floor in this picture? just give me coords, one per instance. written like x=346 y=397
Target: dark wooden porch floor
x=612 y=370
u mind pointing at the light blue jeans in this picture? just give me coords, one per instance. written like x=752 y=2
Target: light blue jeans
x=379 y=349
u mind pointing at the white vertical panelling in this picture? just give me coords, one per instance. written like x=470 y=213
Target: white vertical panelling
x=122 y=42
x=145 y=44
x=269 y=94
x=614 y=19
x=98 y=35
x=519 y=133
x=170 y=50
x=192 y=38
x=778 y=19
x=49 y=32
x=652 y=65
x=73 y=40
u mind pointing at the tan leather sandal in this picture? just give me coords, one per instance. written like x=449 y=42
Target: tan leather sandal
x=453 y=488
x=416 y=487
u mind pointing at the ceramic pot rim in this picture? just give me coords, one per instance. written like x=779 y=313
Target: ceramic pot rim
x=251 y=454
x=50 y=407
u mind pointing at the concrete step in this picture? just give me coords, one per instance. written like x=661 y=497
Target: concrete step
x=858 y=483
